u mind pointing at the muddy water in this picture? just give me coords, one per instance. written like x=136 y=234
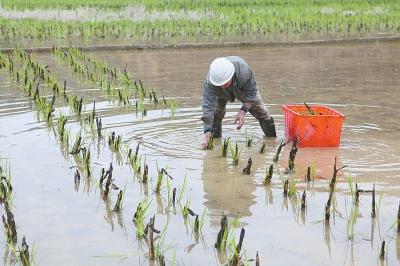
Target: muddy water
x=69 y=227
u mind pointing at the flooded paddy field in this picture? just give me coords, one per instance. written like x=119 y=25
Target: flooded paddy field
x=68 y=221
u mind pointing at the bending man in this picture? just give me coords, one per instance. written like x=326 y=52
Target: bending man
x=231 y=78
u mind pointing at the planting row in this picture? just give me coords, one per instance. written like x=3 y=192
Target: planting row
x=231 y=18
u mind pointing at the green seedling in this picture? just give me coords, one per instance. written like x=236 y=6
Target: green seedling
x=309 y=109
x=109 y=183
x=186 y=210
x=139 y=216
x=249 y=140
x=292 y=155
x=24 y=253
x=91 y=118
x=99 y=127
x=114 y=142
x=351 y=222
x=9 y=225
x=160 y=178
x=145 y=176
x=235 y=153
x=225 y=146
x=135 y=161
x=181 y=189
x=86 y=161
x=334 y=176
x=262 y=150
x=118 y=204
x=210 y=144
x=6 y=188
x=160 y=248
x=104 y=174
x=62 y=132
x=268 y=175
x=247 y=169
x=76 y=105
x=224 y=232
x=76 y=148
x=235 y=260
x=281 y=145
x=172 y=106
x=199 y=222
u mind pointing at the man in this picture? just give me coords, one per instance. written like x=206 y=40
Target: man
x=231 y=78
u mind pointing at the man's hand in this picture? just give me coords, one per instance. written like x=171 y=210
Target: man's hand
x=239 y=120
x=206 y=140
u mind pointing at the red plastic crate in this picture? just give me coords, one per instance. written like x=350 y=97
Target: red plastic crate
x=320 y=130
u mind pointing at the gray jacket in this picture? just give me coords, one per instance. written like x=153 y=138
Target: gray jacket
x=243 y=88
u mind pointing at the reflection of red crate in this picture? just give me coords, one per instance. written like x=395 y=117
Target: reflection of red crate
x=320 y=130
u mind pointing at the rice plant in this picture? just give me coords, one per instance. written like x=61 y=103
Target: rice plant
x=134 y=161
x=278 y=151
x=139 y=216
x=6 y=188
x=351 y=222
x=223 y=234
x=62 y=131
x=114 y=142
x=181 y=189
x=99 y=127
x=235 y=153
x=249 y=139
x=76 y=148
x=10 y=228
x=268 y=175
x=159 y=181
x=262 y=149
x=268 y=20
x=225 y=146
x=199 y=222
x=86 y=161
x=186 y=210
x=118 y=203
x=210 y=144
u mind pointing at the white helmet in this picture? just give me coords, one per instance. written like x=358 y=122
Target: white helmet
x=221 y=71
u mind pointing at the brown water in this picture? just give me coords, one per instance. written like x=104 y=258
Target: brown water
x=76 y=228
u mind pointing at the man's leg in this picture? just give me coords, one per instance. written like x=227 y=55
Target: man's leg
x=260 y=112
x=219 y=114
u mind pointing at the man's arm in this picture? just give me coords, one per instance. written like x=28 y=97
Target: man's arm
x=247 y=85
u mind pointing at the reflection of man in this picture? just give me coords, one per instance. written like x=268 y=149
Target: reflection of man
x=226 y=192
x=231 y=78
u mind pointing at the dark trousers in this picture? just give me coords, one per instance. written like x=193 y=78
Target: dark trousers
x=258 y=110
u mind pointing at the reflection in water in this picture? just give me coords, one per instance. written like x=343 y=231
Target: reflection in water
x=321 y=159
x=226 y=190
x=109 y=216
x=269 y=196
x=327 y=238
x=373 y=223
